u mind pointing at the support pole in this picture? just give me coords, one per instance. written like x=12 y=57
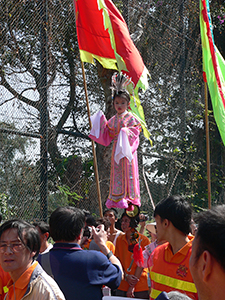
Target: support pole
x=207 y=145
x=93 y=145
x=43 y=113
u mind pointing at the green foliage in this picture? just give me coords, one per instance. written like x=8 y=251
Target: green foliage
x=5 y=211
x=69 y=195
x=56 y=199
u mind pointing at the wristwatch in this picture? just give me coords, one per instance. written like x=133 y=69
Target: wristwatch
x=109 y=254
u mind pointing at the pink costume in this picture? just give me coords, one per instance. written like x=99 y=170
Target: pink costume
x=124 y=130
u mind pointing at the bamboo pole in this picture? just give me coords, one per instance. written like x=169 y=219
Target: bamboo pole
x=93 y=145
x=148 y=190
x=207 y=146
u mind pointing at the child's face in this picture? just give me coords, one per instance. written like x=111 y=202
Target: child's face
x=120 y=105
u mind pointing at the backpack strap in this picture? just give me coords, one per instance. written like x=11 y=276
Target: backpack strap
x=46 y=265
x=45 y=259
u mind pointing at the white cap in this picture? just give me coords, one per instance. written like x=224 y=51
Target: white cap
x=151 y=227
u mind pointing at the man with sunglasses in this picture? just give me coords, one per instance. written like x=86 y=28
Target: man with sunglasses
x=19 y=246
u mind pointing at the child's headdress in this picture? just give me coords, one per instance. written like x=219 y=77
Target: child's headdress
x=119 y=85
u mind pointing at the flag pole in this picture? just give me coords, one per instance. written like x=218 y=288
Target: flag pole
x=207 y=145
x=92 y=143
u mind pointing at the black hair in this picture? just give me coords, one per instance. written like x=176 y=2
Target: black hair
x=113 y=210
x=118 y=224
x=134 y=221
x=86 y=212
x=176 y=210
x=211 y=233
x=103 y=221
x=66 y=223
x=27 y=233
x=90 y=220
x=122 y=94
x=44 y=227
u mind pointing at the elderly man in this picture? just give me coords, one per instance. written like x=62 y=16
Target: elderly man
x=207 y=262
x=79 y=273
x=19 y=246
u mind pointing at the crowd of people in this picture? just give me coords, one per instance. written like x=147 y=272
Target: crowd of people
x=169 y=263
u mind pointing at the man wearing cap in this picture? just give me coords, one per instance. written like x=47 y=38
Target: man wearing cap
x=134 y=284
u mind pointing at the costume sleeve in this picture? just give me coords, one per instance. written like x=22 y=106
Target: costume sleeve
x=133 y=129
x=147 y=253
x=128 y=140
x=123 y=148
x=100 y=131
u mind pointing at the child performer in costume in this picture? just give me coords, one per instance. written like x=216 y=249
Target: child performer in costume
x=123 y=129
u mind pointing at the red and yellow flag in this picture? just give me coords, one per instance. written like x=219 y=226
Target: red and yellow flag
x=103 y=35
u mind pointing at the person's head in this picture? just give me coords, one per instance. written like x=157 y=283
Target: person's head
x=128 y=222
x=105 y=222
x=175 y=210
x=193 y=227
x=90 y=220
x=19 y=246
x=207 y=259
x=120 y=103
x=112 y=215
x=121 y=97
x=43 y=229
x=66 y=224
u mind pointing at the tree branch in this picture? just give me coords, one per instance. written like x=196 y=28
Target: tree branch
x=19 y=96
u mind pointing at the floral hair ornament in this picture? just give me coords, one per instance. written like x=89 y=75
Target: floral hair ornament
x=120 y=83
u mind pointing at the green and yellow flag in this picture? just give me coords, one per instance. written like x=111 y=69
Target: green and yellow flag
x=213 y=68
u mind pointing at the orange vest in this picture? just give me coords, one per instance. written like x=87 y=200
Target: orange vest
x=167 y=276
x=4 y=279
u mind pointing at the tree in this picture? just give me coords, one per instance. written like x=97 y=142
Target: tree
x=167 y=36
x=19 y=178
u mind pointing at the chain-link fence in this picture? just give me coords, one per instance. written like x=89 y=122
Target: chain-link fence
x=47 y=153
